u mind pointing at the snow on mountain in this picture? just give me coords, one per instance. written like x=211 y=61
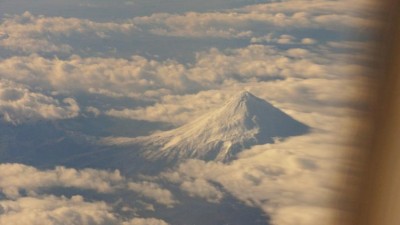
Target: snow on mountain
x=244 y=121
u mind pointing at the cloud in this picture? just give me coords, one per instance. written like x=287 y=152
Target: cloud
x=176 y=109
x=53 y=210
x=18 y=104
x=142 y=78
x=34 y=34
x=153 y=191
x=148 y=221
x=316 y=7
x=280 y=178
x=353 y=45
x=254 y=62
x=28 y=33
x=283 y=39
x=203 y=189
x=19 y=177
x=241 y=22
x=29 y=197
x=93 y=110
x=308 y=41
x=114 y=77
x=305 y=215
x=196 y=25
x=323 y=96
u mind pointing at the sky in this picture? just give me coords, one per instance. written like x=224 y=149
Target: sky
x=85 y=69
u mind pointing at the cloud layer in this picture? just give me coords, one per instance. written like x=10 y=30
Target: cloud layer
x=39 y=34
x=26 y=200
x=18 y=177
x=287 y=180
x=55 y=211
x=140 y=78
x=297 y=54
x=240 y=23
x=52 y=210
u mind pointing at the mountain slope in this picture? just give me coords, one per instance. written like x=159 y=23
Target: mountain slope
x=244 y=121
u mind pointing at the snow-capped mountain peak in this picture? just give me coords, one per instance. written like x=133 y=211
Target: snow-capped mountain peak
x=242 y=122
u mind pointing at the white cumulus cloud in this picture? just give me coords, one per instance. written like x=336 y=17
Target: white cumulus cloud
x=20 y=104
x=19 y=177
x=53 y=210
x=153 y=191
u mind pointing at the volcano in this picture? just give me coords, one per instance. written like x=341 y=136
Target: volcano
x=242 y=122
